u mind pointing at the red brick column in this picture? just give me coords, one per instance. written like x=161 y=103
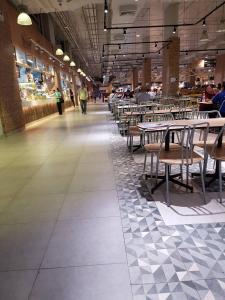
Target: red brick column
x=135 y=78
x=220 y=69
x=11 y=112
x=147 y=72
x=171 y=57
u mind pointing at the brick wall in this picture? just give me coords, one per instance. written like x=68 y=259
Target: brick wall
x=10 y=104
x=14 y=35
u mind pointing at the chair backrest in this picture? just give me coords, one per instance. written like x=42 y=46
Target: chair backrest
x=218 y=138
x=151 y=117
x=187 y=135
x=206 y=114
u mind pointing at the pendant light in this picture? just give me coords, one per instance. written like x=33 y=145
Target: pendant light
x=66 y=58
x=59 y=52
x=72 y=64
x=23 y=18
x=204 y=36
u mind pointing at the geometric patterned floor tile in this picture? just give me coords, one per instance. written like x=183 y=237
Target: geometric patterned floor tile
x=166 y=291
x=213 y=289
x=165 y=262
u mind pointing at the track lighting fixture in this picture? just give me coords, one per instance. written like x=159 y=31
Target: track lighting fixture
x=156 y=44
x=174 y=30
x=124 y=31
x=204 y=23
x=186 y=53
x=106 y=10
x=120 y=46
x=159 y=52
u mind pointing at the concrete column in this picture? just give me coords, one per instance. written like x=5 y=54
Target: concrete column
x=11 y=113
x=147 y=72
x=171 y=57
x=134 y=78
x=220 y=69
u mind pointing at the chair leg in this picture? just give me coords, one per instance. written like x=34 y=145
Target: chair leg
x=187 y=173
x=152 y=164
x=145 y=161
x=181 y=174
x=203 y=181
x=131 y=144
x=157 y=169
x=205 y=164
x=220 y=183
x=167 y=185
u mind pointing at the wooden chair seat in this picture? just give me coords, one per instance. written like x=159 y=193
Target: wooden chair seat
x=174 y=157
x=134 y=131
x=218 y=153
x=155 y=147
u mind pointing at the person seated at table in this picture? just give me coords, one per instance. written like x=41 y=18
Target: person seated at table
x=143 y=96
x=209 y=92
x=218 y=101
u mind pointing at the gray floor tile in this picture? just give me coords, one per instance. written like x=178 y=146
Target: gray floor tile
x=109 y=282
x=90 y=204
x=86 y=242
x=16 y=285
x=32 y=208
x=22 y=246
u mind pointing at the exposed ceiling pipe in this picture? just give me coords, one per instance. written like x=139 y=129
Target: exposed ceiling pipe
x=164 y=25
x=136 y=43
x=155 y=52
x=64 y=21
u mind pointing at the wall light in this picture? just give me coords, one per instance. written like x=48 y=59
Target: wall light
x=23 y=18
x=66 y=58
x=59 y=52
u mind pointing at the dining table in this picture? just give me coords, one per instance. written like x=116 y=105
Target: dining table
x=141 y=114
x=151 y=127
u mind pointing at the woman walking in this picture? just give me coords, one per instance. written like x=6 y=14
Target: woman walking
x=59 y=101
x=83 y=97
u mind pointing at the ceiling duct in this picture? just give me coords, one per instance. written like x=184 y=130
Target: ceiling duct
x=118 y=37
x=128 y=10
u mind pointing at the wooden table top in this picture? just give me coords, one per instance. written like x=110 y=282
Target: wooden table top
x=159 y=126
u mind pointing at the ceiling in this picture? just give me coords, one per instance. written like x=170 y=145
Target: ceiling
x=82 y=23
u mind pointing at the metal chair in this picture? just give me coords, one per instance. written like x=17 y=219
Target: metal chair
x=218 y=154
x=185 y=155
x=153 y=139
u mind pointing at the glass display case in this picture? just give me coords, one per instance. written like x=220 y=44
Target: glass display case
x=36 y=80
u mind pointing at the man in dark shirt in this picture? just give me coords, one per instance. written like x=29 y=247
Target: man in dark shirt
x=218 y=101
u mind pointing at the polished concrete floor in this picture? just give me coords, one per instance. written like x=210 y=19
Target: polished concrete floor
x=60 y=227
x=75 y=223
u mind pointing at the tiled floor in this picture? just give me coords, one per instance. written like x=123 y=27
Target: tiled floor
x=75 y=223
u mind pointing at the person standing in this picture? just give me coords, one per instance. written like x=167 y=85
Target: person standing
x=72 y=97
x=83 y=97
x=58 y=97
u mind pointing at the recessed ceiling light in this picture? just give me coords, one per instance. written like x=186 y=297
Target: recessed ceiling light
x=137 y=35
